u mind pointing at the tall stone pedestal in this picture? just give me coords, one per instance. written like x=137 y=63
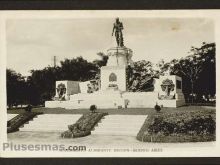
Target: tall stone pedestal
x=119 y=56
x=114 y=74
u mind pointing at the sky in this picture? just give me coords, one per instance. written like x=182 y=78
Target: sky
x=32 y=43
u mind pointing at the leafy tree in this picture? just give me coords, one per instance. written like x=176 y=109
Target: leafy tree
x=207 y=79
x=77 y=69
x=163 y=67
x=16 y=88
x=140 y=76
x=197 y=70
x=101 y=62
x=42 y=83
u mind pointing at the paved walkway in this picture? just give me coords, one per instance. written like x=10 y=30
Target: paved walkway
x=99 y=141
x=108 y=142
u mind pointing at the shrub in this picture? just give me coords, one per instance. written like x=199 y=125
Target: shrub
x=177 y=127
x=198 y=125
x=83 y=126
x=28 y=108
x=93 y=108
x=157 y=108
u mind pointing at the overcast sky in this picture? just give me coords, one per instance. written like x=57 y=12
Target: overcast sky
x=31 y=43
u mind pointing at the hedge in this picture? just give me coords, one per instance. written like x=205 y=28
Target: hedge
x=83 y=126
x=192 y=126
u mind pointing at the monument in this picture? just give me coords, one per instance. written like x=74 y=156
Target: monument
x=113 y=76
x=112 y=92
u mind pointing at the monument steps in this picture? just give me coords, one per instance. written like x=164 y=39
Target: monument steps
x=51 y=123
x=10 y=116
x=125 y=125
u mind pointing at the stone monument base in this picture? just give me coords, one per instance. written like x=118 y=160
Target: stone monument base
x=114 y=100
x=171 y=103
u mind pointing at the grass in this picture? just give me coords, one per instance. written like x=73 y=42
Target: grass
x=129 y=111
x=132 y=111
x=179 y=120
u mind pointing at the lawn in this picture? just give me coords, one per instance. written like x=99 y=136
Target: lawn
x=192 y=125
x=130 y=111
x=151 y=113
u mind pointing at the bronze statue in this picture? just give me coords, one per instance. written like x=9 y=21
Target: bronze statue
x=117 y=29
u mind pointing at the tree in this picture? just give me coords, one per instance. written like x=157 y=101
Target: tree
x=101 y=62
x=197 y=71
x=194 y=67
x=161 y=67
x=207 y=80
x=42 y=83
x=140 y=76
x=16 y=88
x=77 y=69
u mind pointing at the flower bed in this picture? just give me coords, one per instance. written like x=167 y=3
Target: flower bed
x=83 y=126
x=15 y=123
x=192 y=126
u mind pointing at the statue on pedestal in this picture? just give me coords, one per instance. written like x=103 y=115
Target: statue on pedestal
x=117 y=29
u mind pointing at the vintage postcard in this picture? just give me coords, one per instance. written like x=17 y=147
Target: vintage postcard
x=109 y=83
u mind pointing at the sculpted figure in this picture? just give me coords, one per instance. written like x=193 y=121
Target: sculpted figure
x=117 y=29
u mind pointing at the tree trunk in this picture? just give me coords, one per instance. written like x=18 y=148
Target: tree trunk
x=192 y=91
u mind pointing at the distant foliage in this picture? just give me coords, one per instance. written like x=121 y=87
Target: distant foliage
x=28 y=108
x=102 y=61
x=140 y=77
x=198 y=72
x=17 y=89
x=40 y=86
x=77 y=69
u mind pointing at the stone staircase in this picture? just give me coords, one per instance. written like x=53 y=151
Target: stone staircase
x=126 y=125
x=51 y=123
x=10 y=116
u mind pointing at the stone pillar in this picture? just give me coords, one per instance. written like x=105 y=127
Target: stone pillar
x=119 y=56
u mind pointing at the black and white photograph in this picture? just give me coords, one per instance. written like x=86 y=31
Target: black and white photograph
x=109 y=84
